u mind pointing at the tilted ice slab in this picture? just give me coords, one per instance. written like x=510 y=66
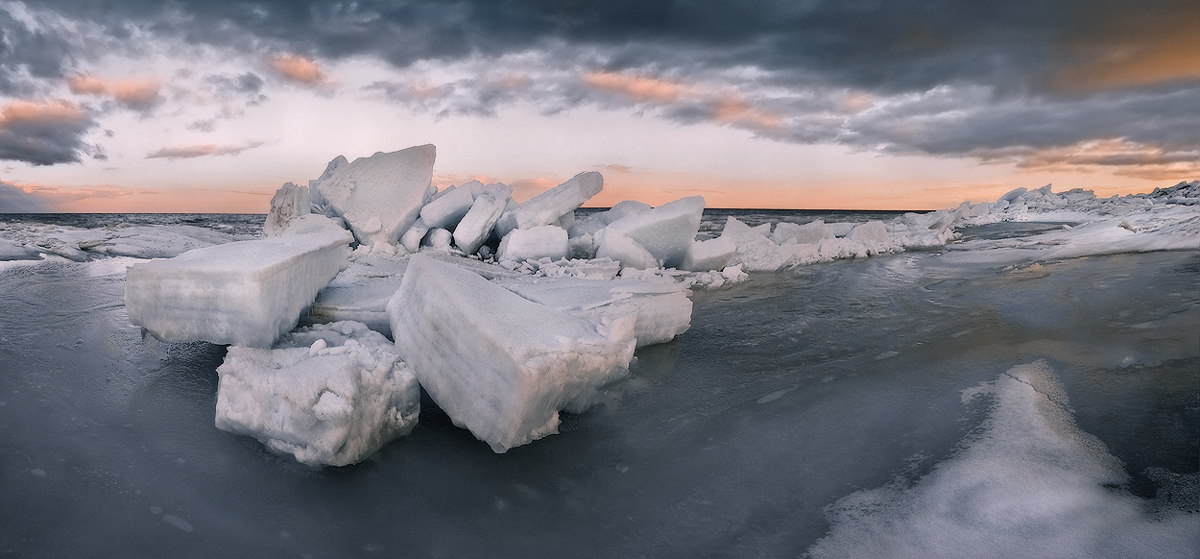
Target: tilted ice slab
x=477 y=224
x=330 y=394
x=548 y=207
x=245 y=293
x=498 y=364
x=1030 y=484
x=666 y=232
x=288 y=203
x=389 y=187
x=664 y=309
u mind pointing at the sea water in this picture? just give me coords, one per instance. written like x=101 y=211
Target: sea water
x=805 y=412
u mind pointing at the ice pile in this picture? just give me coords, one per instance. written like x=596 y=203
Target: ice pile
x=1030 y=484
x=30 y=241
x=330 y=394
x=498 y=364
x=509 y=313
x=242 y=293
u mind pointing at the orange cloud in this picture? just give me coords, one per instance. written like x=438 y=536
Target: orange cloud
x=39 y=112
x=1119 y=156
x=638 y=87
x=1135 y=55
x=735 y=110
x=133 y=93
x=298 y=69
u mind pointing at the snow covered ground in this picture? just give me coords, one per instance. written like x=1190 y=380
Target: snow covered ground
x=1020 y=376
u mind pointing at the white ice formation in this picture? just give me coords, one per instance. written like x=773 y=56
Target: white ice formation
x=390 y=187
x=288 y=203
x=498 y=364
x=244 y=293
x=1031 y=484
x=330 y=394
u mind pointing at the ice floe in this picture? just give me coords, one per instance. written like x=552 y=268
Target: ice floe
x=329 y=394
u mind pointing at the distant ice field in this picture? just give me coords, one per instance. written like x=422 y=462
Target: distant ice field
x=999 y=396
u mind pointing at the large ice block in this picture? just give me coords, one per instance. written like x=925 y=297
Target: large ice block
x=392 y=187
x=532 y=244
x=331 y=394
x=244 y=293
x=665 y=232
x=496 y=363
x=618 y=246
x=549 y=206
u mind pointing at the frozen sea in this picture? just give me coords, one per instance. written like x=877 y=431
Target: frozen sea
x=920 y=404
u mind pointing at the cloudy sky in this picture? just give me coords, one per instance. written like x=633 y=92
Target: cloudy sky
x=196 y=105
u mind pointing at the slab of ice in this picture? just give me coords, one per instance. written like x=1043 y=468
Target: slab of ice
x=392 y=187
x=547 y=241
x=713 y=254
x=331 y=394
x=478 y=223
x=618 y=246
x=244 y=293
x=664 y=309
x=550 y=206
x=758 y=253
x=498 y=364
x=448 y=209
x=288 y=203
x=666 y=232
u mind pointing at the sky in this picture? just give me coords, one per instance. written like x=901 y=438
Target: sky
x=202 y=106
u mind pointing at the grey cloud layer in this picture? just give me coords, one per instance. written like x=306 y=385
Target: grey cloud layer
x=947 y=77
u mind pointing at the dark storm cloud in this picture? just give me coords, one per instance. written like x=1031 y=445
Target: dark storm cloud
x=45 y=133
x=27 y=54
x=15 y=200
x=956 y=77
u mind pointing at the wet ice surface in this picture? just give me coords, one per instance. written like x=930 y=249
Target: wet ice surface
x=829 y=385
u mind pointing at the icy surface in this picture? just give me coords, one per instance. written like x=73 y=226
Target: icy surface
x=620 y=247
x=664 y=309
x=328 y=395
x=790 y=396
x=391 y=187
x=548 y=207
x=497 y=364
x=244 y=293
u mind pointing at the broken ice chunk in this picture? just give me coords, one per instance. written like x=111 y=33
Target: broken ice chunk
x=330 y=394
x=712 y=254
x=391 y=186
x=288 y=203
x=550 y=206
x=532 y=244
x=665 y=232
x=618 y=246
x=244 y=293
x=447 y=210
x=479 y=221
x=496 y=363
